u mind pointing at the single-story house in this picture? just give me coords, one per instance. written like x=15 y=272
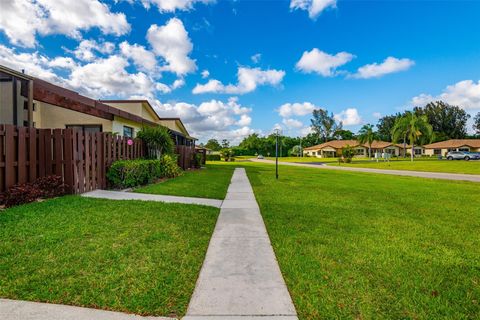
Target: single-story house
x=334 y=148
x=442 y=147
x=32 y=102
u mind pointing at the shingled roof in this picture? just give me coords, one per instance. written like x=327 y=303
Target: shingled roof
x=454 y=143
x=339 y=144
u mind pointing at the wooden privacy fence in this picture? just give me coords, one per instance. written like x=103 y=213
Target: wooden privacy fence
x=80 y=158
x=185 y=156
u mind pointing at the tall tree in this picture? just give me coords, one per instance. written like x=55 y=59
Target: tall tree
x=225 y=144
x=447 y=121
x=416 y=128
x=476 y=124
x=213 y=144
x=385 y=126
x=367 y=135
x=345 y=134
x=324 y=125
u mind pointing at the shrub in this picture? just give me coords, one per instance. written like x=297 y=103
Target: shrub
x=213 y=157
x=157 y=141
x=169 y=167
x=347 y=154
x=227 y=154
x=46 y=187
x=198 y=159
x=132 y=173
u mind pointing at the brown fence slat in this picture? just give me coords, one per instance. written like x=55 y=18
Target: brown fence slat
x=80 y=162
x=68 y=156
x=9 y=156
x=41 y=153
x=86 y=146
x=2 y=157
x=22 y=155
x=48 y=152
x=58 y=152
x=32 y=154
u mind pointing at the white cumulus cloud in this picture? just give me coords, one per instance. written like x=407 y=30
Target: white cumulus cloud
x=172 y=43
x=389 y=65
x=296 y=109
x=322 y=63
x=314 y=7
x=173 y=5
x=349 y=117
x=465 y=94
x=211 y=119
x=205 y=74
x=22 y=20
x=292 y=123
x=144 y=60
x=248 y=80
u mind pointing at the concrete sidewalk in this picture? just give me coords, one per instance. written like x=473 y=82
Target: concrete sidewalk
x=419 y=174
x=25 y=310
x=120 y=195
x=240 y=277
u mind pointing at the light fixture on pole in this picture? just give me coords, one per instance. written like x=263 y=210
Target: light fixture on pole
x=277 y=133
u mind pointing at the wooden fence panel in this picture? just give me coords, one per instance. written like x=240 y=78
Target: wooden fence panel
x=80 y=158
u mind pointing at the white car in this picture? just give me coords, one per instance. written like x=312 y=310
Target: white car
x=260 y=156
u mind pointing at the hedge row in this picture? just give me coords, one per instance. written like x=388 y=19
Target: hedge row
x=213 y=157
x=132 y=173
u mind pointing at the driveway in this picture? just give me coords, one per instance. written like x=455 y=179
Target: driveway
x=420 y=174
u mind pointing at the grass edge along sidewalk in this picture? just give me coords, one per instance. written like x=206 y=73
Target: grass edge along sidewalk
x=129 y=256
x=209 y=182
x=366 y=245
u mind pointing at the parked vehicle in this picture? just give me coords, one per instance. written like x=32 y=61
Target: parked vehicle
x=260 y=156
x=462 y=155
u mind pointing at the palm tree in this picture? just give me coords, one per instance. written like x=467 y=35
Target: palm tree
x=367 y=135
x=416 y=128
x=400 y=131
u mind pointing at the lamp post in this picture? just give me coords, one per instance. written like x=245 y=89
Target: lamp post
x=277 y=133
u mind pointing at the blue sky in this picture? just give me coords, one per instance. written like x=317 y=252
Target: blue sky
x=231 y=68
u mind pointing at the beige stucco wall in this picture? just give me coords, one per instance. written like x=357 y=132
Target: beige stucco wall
x=136 y=108
x=171 y=124
x=51 y=116
x=119 y=123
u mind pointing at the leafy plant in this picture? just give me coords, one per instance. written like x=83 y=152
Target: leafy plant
x=347 y=154
x=198 y=159
x=157 y=141
x=367 y=135
x=169 y=167
x=42 y=188
x=227 y=154
x=213 y=157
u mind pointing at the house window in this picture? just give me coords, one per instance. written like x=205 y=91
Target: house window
x=85 y=127
x=466 y=149
x=360 y=152
x=437 y=152
x=128 y=132
x=418 y=152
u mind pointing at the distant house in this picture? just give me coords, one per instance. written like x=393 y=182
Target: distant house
x=334 y=148
x=441 y=148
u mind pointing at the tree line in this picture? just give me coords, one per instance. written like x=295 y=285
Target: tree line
x=437 y=121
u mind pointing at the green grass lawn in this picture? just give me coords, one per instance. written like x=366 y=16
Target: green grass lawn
x=425 y=164
x=130 y=256
x=210 y=182
x=363 y=246
x=303 y=159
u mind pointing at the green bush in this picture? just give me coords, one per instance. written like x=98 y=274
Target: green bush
x=169 y=167
x=132 y=173
x=157 y=141
x=213 y=157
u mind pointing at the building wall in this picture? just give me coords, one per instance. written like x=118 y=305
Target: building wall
x=431 y=152
x=119 y=123
x=6 y=103
x=171 y=124
x=136 y=108
x=50 y=116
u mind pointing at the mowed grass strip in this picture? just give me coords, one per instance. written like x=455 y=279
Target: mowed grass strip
x=432 y=165
x=365 y=246
x=129 y=256
x=210 y=182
